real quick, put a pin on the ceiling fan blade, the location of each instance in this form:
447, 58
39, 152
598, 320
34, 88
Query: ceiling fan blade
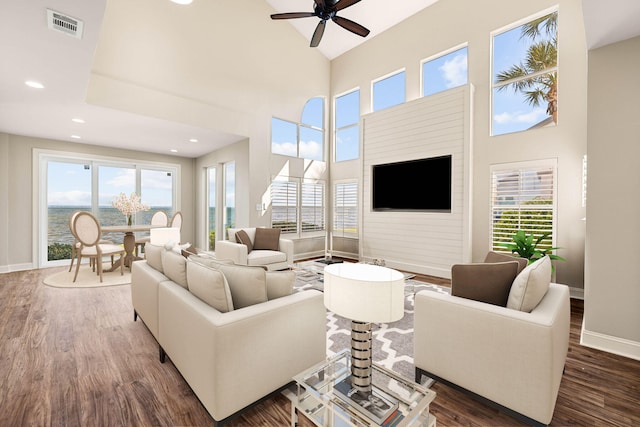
343, 4
354, 27
317, 34
292, 15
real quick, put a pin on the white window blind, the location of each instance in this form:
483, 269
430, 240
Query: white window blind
345, 208
312, 209
284, 204
522, 199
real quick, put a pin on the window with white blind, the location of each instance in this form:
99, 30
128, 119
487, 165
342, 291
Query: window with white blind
523, 198
345, 209
284, 205
297, 207
312, 206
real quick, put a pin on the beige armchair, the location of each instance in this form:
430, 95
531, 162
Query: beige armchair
261, 249
513, 359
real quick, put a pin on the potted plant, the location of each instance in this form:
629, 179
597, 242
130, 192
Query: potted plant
524, 245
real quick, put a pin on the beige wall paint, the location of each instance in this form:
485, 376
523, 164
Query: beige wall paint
612, 288
17, 241
443, 26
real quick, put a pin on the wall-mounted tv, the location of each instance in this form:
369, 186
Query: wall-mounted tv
414, 185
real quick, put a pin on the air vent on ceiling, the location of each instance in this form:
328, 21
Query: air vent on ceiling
63, 23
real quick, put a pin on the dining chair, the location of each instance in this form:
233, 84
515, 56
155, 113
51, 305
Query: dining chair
76, 243
176, 221
87, 230
159, 218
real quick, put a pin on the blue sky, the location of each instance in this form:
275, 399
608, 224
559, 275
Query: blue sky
69, 184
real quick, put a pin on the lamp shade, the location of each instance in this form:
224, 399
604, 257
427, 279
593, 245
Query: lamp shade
364, 292
162, 236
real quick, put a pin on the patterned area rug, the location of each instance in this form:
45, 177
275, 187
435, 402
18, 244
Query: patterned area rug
393, 342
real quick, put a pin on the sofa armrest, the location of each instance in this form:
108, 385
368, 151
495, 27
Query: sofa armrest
237, 252
286, 246
233, 359
511, 357
144, 293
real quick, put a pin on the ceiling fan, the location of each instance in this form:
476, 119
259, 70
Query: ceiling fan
325, 10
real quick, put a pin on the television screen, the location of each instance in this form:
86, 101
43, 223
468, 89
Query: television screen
415, 185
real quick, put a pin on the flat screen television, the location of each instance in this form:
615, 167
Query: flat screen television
414, 185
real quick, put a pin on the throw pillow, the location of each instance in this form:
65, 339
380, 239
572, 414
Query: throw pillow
498, 257
488, 282
267, 239
243, 237
247, 284
210, 286
175, 267
530, 286
279, 283
153, 255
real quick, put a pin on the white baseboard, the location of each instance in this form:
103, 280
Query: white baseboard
16, 267
576, 293
610, 344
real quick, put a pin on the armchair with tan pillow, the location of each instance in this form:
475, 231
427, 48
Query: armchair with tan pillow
502, 335
256, 247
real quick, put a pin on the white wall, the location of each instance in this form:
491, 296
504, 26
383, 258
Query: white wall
450, 23
612, 287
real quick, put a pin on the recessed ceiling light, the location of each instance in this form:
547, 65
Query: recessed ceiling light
34, 84
77, 120
75, 136
173, 150
193, 140
182, 1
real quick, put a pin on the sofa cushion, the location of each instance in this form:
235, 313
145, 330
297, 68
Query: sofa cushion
530, 286
175, 267
208, 260
485, 282
251, 232
243, 237
498, 257
210, 285
279, 283
247, 284
267, 239
153, 255
260, 257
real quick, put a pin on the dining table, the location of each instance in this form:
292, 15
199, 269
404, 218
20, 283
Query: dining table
129, 240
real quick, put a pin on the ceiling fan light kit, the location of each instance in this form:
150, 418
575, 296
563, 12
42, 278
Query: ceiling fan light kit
327, 10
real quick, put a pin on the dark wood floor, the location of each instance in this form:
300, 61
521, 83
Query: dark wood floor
75, 357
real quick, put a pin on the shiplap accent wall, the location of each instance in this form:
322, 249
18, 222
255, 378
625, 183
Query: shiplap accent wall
422, 242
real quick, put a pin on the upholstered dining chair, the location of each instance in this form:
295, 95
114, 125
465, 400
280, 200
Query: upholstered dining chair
76, 243
159, 218
87, 230
176, 221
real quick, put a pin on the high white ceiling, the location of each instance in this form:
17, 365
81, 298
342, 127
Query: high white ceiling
63, 65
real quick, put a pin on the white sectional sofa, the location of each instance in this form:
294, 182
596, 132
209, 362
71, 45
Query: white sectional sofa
236, 334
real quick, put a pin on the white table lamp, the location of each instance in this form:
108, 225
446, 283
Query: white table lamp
363, 293
164, 235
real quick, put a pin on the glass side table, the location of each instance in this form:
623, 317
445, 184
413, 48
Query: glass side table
314, 397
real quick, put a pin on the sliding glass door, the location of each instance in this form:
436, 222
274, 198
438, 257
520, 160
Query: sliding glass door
72, 183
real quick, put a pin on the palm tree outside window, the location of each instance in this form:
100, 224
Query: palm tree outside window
525, 82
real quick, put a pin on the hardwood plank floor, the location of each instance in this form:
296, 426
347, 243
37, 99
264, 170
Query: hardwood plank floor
75, 357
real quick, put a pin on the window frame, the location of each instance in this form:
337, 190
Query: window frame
438, 56
385, 77
41, 158
298, 185
520, 167
493, 86
352, 125
336, 218
300, 125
